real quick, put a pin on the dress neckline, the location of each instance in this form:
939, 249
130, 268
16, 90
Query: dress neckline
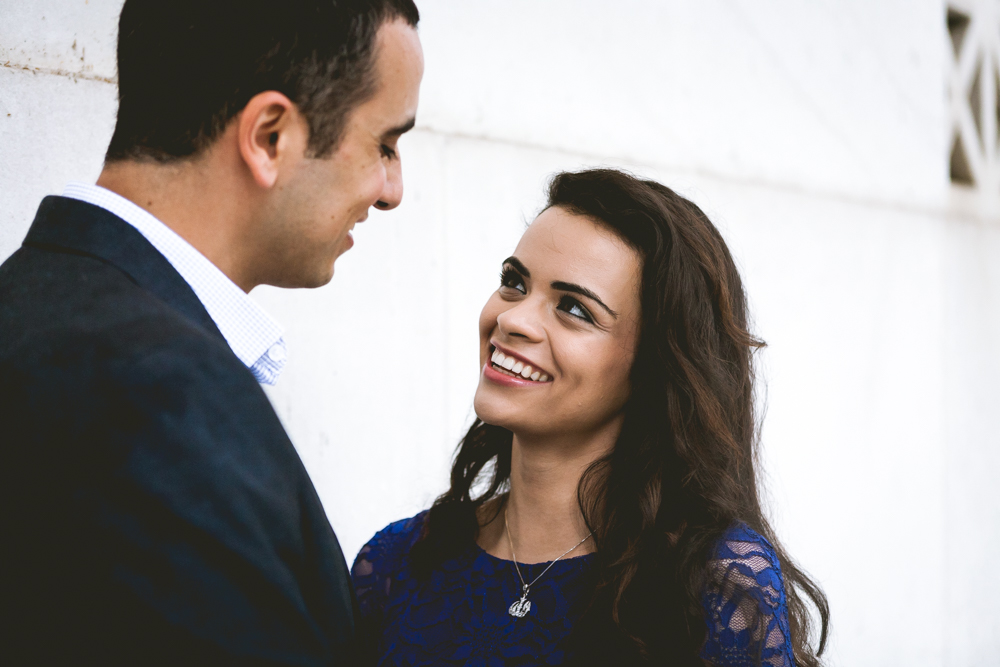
495, 559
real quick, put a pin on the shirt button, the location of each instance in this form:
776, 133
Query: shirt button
277, 353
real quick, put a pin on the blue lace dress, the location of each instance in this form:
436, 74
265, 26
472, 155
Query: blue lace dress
459, 616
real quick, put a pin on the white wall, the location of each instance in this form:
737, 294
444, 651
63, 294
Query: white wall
814, 135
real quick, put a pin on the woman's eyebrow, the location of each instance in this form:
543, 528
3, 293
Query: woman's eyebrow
583, 291
516, 263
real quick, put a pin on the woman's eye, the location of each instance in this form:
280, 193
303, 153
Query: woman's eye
571, 306
512, 280
388, 152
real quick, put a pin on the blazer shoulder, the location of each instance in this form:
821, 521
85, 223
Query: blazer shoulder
61, 311
82, 267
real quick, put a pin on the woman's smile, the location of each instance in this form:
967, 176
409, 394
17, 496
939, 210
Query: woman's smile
511, 365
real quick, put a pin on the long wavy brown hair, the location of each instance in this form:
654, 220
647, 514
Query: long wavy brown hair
684, 468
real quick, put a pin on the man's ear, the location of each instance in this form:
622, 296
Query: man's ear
270, 131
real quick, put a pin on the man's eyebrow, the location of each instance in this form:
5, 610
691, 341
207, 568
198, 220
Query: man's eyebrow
400, 129
516, 263
583, 291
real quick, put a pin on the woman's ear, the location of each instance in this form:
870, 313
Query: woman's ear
270, 132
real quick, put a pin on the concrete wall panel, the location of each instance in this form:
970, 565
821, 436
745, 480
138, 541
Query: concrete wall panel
972, 442
838, 97
53, 129
68, 36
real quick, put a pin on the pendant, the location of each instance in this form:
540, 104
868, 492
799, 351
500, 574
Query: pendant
521, 607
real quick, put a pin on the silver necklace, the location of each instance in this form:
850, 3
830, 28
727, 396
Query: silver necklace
521, 607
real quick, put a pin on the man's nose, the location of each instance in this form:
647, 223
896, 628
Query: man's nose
392, 193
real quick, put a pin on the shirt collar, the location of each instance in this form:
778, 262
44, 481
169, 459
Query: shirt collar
256, 339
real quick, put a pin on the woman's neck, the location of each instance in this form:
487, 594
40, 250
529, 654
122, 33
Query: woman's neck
542, 509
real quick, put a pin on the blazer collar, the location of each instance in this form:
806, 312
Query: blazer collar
75, 226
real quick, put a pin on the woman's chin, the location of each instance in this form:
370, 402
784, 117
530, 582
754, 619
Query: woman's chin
485, 410
496, 411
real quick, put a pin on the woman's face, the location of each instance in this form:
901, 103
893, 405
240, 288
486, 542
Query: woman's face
567, 307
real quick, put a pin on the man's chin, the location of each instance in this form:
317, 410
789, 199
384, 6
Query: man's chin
303, 280
320, 280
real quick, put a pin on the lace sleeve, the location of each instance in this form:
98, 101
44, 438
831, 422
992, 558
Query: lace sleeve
376, 567
368, 578
745, 608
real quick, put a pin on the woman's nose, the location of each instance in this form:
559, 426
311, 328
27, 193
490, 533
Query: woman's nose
523, 320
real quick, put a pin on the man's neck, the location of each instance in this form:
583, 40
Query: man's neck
195, 201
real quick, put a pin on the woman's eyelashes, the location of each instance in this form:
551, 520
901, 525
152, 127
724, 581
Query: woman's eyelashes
387, 152
511, 279
571, 306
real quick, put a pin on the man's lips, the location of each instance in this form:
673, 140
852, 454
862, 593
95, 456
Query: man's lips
349, 237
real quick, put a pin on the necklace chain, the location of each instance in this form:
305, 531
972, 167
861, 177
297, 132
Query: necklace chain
525, 587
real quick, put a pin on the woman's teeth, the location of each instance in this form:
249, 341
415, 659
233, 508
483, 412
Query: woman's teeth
515, 368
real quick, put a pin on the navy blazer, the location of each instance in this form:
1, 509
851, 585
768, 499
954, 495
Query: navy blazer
154, 510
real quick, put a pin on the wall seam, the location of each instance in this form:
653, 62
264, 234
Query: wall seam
945, 209
53, 71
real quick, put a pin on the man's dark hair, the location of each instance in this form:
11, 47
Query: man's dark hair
187, 67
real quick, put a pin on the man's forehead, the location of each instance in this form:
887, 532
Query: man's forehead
399, 70
398, 53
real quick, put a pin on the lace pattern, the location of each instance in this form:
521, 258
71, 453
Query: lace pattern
459, 616
745, 607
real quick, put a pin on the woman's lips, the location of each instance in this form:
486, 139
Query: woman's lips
492, 373
507, 369
516, 367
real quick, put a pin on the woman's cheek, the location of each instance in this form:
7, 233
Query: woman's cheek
612, 377
488, 324
488, 316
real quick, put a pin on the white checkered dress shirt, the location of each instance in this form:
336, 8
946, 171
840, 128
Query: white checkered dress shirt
254, 337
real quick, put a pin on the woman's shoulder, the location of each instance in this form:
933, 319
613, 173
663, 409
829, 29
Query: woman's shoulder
745, 603
381, 561
394, 540
740, 542
744, 559
404, 530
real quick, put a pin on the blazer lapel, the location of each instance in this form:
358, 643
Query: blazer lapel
71, 225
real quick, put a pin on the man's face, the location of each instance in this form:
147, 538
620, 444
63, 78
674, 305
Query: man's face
318, 203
